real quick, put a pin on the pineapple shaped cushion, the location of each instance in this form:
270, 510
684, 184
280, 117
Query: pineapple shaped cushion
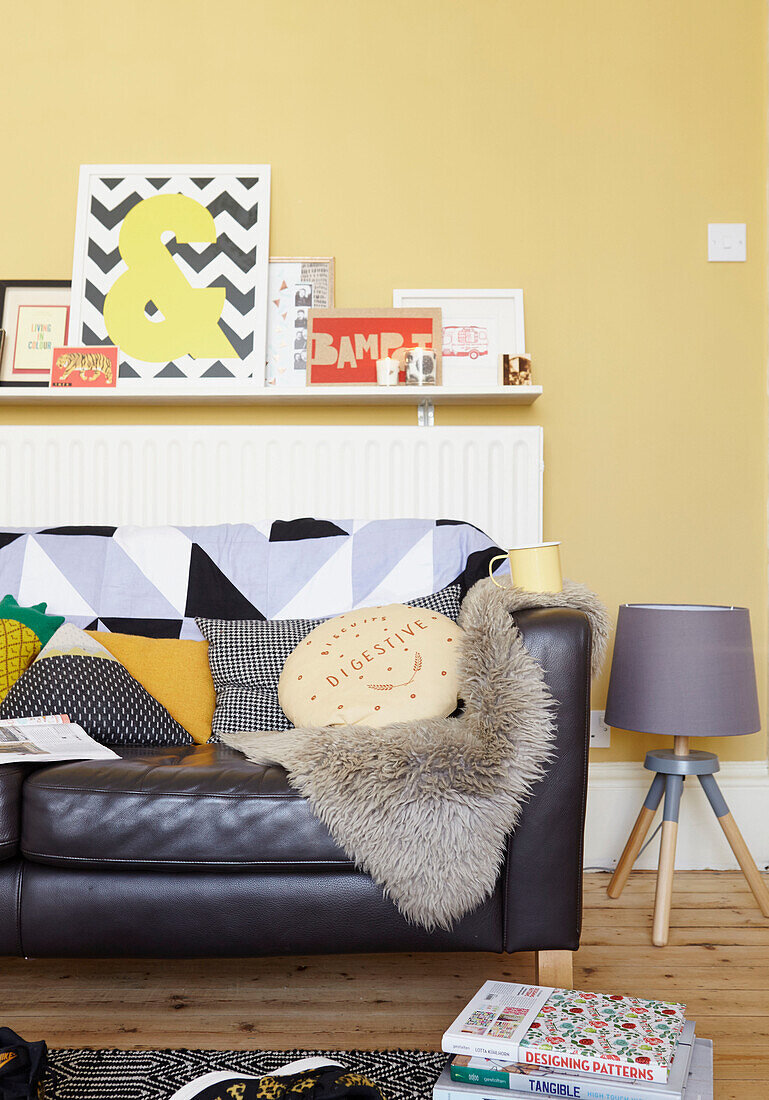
18, 648
371, 667
23, 633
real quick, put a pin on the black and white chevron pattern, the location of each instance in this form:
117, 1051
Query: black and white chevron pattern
237, 262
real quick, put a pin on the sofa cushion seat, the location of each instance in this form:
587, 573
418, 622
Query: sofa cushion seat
198, 806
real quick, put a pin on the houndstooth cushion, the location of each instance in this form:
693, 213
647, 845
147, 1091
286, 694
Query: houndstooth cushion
247, 657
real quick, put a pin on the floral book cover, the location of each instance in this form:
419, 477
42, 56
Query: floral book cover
610, 1035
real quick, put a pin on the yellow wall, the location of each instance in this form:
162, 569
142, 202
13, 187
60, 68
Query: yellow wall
575, 148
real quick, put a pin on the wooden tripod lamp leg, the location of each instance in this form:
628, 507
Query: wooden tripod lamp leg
674, 785
736, 842
637, 837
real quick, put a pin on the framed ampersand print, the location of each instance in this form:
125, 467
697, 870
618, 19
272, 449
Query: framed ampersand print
170, 267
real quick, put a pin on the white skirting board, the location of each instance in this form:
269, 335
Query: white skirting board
615, 794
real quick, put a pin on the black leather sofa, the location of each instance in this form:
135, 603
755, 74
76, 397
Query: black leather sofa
195, 851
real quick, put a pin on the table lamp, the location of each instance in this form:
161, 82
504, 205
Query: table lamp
685, 670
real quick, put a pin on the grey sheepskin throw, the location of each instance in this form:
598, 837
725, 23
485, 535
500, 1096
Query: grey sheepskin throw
425, 807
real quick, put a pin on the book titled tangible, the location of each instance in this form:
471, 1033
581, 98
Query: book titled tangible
613, 1036
466, 1078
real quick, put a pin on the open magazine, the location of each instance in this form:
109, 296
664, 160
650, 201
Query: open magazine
45, 739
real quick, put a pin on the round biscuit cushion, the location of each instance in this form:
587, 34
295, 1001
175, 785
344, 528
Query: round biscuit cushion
371, 667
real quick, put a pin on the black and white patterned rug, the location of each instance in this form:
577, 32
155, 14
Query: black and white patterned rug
157, 1074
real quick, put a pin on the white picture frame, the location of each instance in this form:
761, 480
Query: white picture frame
478, 327
235, 258
43, 303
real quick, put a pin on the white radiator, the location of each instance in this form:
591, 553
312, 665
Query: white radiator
126, 474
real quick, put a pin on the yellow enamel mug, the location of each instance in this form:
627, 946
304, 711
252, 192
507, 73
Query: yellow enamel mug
533, 568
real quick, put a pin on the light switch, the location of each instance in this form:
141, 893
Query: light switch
726, 242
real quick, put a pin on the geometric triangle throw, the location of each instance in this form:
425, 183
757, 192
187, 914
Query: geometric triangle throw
211, 594
142, 628
42, 579
7, 537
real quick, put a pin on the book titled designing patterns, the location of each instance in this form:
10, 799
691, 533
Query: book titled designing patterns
613, 1036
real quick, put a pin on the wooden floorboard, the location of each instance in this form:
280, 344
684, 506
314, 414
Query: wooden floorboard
717, 962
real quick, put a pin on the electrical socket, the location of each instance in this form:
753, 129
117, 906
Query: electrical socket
600, 733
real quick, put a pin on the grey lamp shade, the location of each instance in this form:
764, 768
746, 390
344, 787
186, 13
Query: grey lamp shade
683, 670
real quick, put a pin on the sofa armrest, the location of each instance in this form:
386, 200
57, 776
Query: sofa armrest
11, 779
543, 868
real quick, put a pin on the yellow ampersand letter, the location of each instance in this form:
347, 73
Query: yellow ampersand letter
190, 315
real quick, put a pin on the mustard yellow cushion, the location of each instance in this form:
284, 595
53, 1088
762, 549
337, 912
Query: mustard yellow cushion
372, 667
175, 671
19, 645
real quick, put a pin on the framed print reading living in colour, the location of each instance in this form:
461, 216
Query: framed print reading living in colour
295, 285
34, 316
478, 327
170, 266
344, 344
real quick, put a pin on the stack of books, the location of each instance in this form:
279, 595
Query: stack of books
561, 1042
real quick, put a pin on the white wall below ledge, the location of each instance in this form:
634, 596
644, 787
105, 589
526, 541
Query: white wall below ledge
614, 797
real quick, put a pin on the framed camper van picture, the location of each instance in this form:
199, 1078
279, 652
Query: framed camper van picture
478, 327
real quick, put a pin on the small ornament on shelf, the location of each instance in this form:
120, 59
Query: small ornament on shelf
420, 367
387, 371
514, 370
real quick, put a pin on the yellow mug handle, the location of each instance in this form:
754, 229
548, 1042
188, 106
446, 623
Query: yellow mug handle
499, 557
